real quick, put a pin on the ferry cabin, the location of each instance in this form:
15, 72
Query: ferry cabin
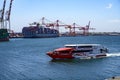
87, 48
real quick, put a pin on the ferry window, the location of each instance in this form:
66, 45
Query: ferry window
84, 46
71, 46
83, 51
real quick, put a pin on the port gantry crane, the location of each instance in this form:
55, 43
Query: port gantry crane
2, 14
61, 24
48, 24
8, 13
86, 29
54, 25
72, 28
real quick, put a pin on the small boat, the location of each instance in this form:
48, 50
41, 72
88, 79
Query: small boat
82, 51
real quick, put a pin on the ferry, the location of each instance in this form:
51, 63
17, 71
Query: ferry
82, 51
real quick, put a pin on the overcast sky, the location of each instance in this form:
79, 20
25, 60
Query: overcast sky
103, 14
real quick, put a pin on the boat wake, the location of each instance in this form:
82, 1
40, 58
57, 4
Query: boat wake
113, 54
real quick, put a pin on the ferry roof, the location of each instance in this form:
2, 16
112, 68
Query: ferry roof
63, 49
82, 45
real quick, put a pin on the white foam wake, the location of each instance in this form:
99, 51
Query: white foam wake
113, 54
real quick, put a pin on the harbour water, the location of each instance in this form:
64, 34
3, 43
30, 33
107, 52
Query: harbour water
26, 59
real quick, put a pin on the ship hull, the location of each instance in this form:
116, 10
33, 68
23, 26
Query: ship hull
41, 36
4, 36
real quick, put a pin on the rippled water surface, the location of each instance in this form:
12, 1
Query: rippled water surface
26, 59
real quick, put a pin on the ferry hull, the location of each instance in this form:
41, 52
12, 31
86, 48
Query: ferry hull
68, 56
101, 56
60, 56
91, 57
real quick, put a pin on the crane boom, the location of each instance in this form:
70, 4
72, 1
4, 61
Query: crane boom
9, 11
3, 11
2, 15
8, 14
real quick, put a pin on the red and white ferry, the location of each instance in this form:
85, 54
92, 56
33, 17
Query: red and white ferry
82, 51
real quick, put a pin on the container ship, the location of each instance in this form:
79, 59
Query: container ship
39, 31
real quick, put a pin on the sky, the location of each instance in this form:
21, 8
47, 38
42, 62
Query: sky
103, 14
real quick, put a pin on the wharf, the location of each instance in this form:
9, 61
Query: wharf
20, 35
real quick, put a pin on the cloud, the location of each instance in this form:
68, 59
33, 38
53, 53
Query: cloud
109, 6
115, 21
